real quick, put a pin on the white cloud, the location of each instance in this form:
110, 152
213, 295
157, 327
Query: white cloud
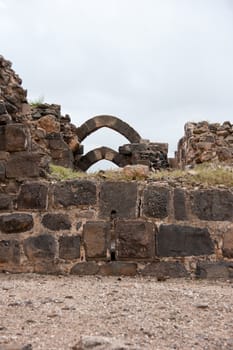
155, 63
2, 4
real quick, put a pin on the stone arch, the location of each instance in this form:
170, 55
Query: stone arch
108, 121
97, 154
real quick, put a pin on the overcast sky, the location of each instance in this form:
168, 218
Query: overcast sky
156, 64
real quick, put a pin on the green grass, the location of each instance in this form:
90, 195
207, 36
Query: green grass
38, 101
204, 175
60, 173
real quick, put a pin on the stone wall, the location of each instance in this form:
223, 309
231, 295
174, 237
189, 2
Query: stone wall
11, 91
116, 228
59, 141
205, 142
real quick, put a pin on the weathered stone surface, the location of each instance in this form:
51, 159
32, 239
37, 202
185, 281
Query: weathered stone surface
85, 268
69, 247
135, 240
228, 243
2, 138
49, 123
205, 142
111, 122
2, 108
9, 252
118, 268
5, 119
15, 346
56, 222
56, 142
12, 94
63, 158
40, 247
84, 162
214, 270
78, 192
156, 202
46, 267
33, 196
96, 239
78, 225
16, 138
4, 155
118, 197
27, 165
102, 343
179, 204
5, 201
152, 154
2, 171
175, 240
137, 171
16, 223
164, 269
213, 204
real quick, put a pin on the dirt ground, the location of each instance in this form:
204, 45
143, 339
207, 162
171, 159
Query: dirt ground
53, 312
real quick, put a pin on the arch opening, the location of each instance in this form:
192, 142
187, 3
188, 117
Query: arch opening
108, 121
104, 137
97, 154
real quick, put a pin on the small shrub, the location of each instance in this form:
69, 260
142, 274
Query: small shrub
36, 102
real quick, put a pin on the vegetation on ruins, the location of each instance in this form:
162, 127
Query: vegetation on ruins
36, 102
203, 175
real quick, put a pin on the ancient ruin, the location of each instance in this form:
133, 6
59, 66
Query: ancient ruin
97, 226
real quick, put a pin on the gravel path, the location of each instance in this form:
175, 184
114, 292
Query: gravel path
52, 312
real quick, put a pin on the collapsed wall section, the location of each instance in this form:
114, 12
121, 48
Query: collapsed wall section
116, 228
205, 142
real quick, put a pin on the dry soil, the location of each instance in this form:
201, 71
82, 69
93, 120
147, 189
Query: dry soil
53, 312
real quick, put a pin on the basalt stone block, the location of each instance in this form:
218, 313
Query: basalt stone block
5, 119
41, 247
164, 269
135, 240
96, 239
228, 244
75, 193
33, 196
2, 108
156, 202
4, 155
214, 270
175, 240
56, 142
2, 138
78, 225
118, 268
216, 205
47, 267
119, 198
85, 269
9, 252
16, 223
2, 172
22, 165
63, 158
179, 204
56, 222
5, 201
16, 138
69, 247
